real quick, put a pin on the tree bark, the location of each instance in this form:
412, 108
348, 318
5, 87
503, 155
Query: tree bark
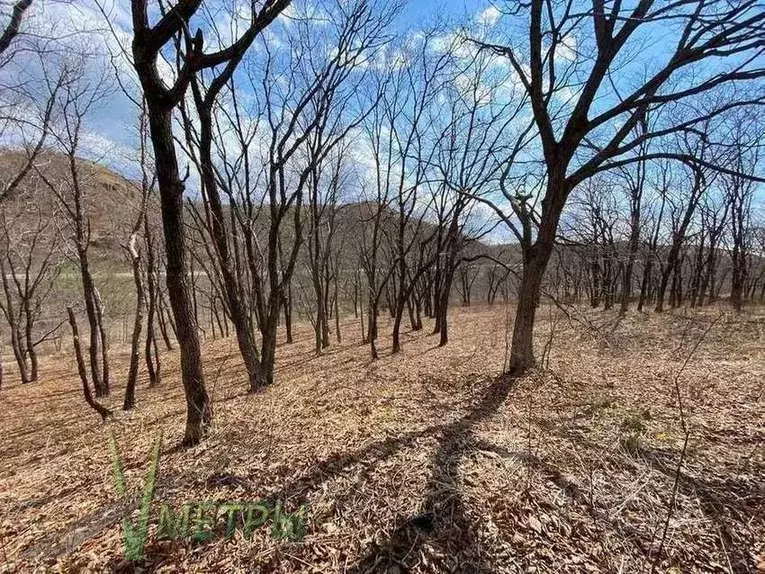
522, 349
135, 350
198, 405
95, 405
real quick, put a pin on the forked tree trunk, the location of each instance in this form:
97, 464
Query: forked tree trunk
29, 341
104, 336
417, 313
17, 340
151, 351
95, 405
666, 274
410, 312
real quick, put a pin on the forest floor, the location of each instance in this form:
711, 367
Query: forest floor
423, 462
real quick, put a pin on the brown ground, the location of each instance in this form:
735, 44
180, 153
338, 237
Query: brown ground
568, 470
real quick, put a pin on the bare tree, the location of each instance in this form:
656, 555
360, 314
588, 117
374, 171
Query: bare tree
133, 249
739, 192
80, 95
478, 104
325, 188
591, 229
26, 113
148, 42
103, 412
154, 311
284, 141
690, 187
659, 183
634, 177
402, 145
205, 96
29, 265
587, 103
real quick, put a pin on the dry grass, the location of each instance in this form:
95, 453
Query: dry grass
568, 469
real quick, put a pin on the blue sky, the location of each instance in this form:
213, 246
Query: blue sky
111, 128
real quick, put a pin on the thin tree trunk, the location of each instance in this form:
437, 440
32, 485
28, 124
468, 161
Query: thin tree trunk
287, 309
103, 335
101, 410
163, 323
151, 352
90, 311
338, 336
135, 345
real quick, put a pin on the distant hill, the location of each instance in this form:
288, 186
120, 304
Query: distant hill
110, 199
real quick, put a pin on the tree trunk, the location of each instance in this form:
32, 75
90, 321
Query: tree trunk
372, 328
596, 275
88, 294
338, 335
198, 405
738, 277
287, 309
151, 352
522, 346
363, 333
398, 315
268, 349
442, 319
30, 343
103, 335
13, 322
101, 410
135, 350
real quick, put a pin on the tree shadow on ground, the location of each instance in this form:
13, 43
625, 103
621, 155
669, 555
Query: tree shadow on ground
441, 517
723, 500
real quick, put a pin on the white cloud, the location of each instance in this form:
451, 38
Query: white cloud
566, 49
488, 17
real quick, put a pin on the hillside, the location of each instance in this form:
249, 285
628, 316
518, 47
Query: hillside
110, 199
422, 462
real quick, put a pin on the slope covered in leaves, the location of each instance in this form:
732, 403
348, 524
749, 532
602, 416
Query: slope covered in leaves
423, 462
